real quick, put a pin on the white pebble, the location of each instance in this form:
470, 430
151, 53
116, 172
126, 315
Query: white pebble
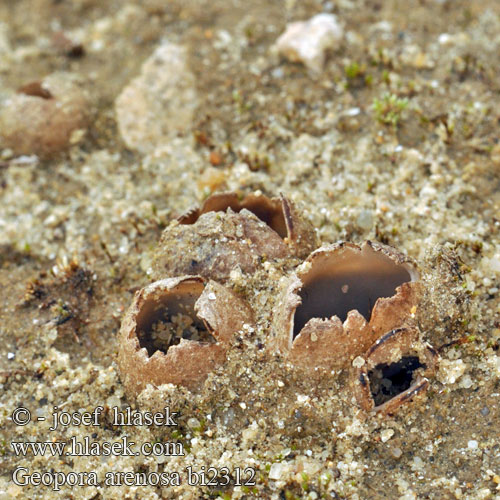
386, 434
358, 362
472, 444
307, 41
365, 219
193, 423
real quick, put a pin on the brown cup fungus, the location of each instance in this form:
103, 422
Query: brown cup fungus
393, 371
228, 232
176, 331
44, 117
341, 300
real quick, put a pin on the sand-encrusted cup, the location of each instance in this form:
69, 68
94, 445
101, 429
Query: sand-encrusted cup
393, 371
340, 301
176, 331
229, 232
43, 116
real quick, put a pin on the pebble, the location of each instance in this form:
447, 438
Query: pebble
193, 423
386, 434
365, 219
494, 263
472, 444
451, 371
160, 102
485, 411
307, 41
466, 382
277, 470
358, 362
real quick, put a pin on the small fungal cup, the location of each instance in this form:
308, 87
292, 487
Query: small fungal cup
176, 331
229, 232
393, 371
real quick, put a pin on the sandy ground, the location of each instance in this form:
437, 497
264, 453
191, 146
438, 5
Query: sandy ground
394, 139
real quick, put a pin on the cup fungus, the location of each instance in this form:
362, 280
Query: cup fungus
393, 371
43, 116
342, 299
228, 232
176, 331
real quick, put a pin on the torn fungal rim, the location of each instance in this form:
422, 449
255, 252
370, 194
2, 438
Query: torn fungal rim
279, 214
187, 363
394, 350
315, 331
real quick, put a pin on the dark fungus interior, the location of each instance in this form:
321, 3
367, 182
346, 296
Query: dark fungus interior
389, 380
35, 89
167, 317
347, 280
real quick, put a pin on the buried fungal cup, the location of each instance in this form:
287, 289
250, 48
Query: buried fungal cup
227, 232
341, 300
393, 371
176, 331
44, 117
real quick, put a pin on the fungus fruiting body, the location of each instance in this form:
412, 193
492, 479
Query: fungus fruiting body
42, 116
229, 232
342, 299
393, 371
345, 305
177, 330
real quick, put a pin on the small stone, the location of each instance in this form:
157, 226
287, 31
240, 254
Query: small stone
358, 362
485, 411
160, 102
276, 471
352, 112
494, 263
307, 41
451, 371
193, 423
466, 382
113, 401
215, 158
365, 219
472, 444
386, 434
11, 356
417, 464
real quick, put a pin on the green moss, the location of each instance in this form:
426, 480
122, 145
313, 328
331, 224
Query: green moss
353, 70
388, 109
305, 481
